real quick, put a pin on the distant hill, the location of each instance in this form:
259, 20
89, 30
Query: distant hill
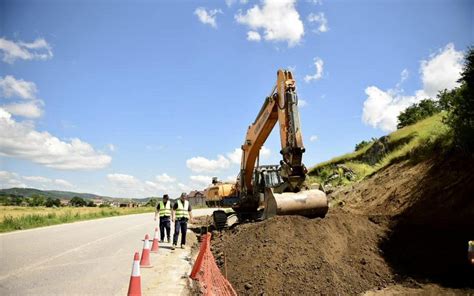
28, 192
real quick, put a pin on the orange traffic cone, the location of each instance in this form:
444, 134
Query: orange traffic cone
155, 246
145, 262
135, 287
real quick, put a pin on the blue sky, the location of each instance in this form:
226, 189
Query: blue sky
140, 98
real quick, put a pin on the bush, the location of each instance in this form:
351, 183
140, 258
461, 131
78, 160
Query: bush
418, 111
361, 145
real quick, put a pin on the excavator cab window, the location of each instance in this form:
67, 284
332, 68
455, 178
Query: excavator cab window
268, 178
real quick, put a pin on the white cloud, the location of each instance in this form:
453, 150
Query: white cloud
253, 36
63, 183
279, 21
315, 2
38, 179
11, 87
207, 16
320, 20
21, 140
29, 110
201, 164
235, 156
319, 63
24, 90
440, 71
229, 3
313, 138
10, 180
201, 180
36, 50
127, 185
302, 103
184, 187
130, 186
164, 178
265, 152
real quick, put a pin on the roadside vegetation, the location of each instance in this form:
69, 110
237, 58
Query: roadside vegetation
16, 217
431, 126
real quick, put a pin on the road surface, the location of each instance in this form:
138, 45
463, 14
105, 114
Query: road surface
88, 258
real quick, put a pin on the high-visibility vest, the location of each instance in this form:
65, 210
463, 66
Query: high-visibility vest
182, 210
165, 210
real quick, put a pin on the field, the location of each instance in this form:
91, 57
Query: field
16, 218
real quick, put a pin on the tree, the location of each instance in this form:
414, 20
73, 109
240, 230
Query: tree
90, 203
36, 200
418, 111
76, 201
461, 106
50, 202
16, 200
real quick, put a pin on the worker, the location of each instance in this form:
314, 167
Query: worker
164, 210
180, 215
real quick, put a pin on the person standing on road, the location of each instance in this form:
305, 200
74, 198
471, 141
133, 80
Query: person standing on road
180, 215
164, 210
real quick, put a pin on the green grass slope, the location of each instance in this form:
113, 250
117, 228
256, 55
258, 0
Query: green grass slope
414, 142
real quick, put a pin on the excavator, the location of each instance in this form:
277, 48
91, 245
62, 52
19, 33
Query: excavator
266, 191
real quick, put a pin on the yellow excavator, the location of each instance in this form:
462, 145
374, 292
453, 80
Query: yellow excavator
266, 191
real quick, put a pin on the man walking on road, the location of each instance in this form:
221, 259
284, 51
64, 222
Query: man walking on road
164, 209
180, 215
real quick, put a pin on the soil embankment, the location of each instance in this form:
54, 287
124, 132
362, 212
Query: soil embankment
406, 226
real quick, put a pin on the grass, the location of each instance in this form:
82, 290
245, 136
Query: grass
16, 218
414, 142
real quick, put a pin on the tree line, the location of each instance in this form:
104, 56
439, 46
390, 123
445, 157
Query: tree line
38, 200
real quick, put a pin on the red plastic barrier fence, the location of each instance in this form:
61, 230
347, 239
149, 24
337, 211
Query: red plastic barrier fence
208, 274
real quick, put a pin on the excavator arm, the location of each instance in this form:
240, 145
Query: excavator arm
280, 106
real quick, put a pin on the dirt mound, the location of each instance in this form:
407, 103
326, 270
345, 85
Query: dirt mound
431, 209
406, 226
295, 255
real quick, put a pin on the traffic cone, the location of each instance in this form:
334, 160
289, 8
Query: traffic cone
145, 262
135, 287
155, 246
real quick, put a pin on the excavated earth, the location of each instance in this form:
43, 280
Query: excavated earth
402, 231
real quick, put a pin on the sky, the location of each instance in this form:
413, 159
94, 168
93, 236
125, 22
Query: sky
142, 98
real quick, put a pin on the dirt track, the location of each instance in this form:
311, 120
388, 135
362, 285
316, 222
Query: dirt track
404, 230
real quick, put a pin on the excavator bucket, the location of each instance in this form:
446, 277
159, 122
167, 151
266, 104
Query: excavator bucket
309, 203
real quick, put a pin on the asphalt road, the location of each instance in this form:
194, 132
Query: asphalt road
82, 258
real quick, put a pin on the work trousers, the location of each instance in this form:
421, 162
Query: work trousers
165, 224
180, 225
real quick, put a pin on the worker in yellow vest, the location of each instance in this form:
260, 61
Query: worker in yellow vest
163, 208
180, 215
